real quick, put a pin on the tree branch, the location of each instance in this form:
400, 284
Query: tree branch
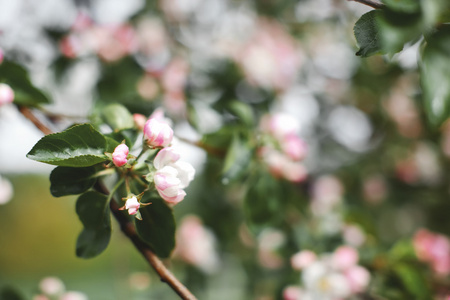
27, 113
127, 227
372, 3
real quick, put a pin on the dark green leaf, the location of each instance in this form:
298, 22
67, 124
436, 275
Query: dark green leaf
243, 111
78, 146
9, 293
237, 159
435, 72
117, 117
24, 91
408, 6
262, 202
413, 280
367, 35
93, 211
397, 29
157, 227
71, 181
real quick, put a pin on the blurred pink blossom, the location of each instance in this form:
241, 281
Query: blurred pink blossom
52, 286
1, 55
196, 245
292, 293
6, 94
139, 120
344, 257
303, 259
434, 249
270, 58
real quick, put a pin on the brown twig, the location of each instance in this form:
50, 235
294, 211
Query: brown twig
129, 230
372, 3
27, 113
127, 227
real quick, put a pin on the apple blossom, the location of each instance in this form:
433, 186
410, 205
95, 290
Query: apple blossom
196, 245
303, 259
52, 286
6, 190
157, 133
6, 94
172, 175
434, 249
344, 257
132, 205
294, 147
120, 155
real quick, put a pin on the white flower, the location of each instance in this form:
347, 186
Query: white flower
6, 191
172, 175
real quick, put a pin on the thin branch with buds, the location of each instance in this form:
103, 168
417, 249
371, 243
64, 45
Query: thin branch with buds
372, 3
127, 227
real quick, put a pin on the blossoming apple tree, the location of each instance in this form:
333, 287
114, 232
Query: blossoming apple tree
325, 175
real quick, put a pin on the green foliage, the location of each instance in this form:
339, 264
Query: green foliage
263, 203
78, 146
237, 159
71, 181
413, 280
435, 74
366, 33
93, 210
9, 293
157, 227
117, 117
25, 93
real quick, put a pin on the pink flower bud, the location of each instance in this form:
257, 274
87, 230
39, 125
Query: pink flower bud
157, 134
132, 205
344, 257
6, 94
120, 155
1, 55
303, 259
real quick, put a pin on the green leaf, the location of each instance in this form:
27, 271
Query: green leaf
367, 35
78, 146
435, 74
25, 93
243, 111
71, 181
262, 203
117, 117
157, 227
92, 209
237, 158
413, 280
10, 293
397, 29
408, 6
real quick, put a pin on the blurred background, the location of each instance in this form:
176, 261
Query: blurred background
374, 172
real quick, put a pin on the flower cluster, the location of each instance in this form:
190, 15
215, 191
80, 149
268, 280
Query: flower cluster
433, 249
285, 150
332, 277
53, 288
109, 42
